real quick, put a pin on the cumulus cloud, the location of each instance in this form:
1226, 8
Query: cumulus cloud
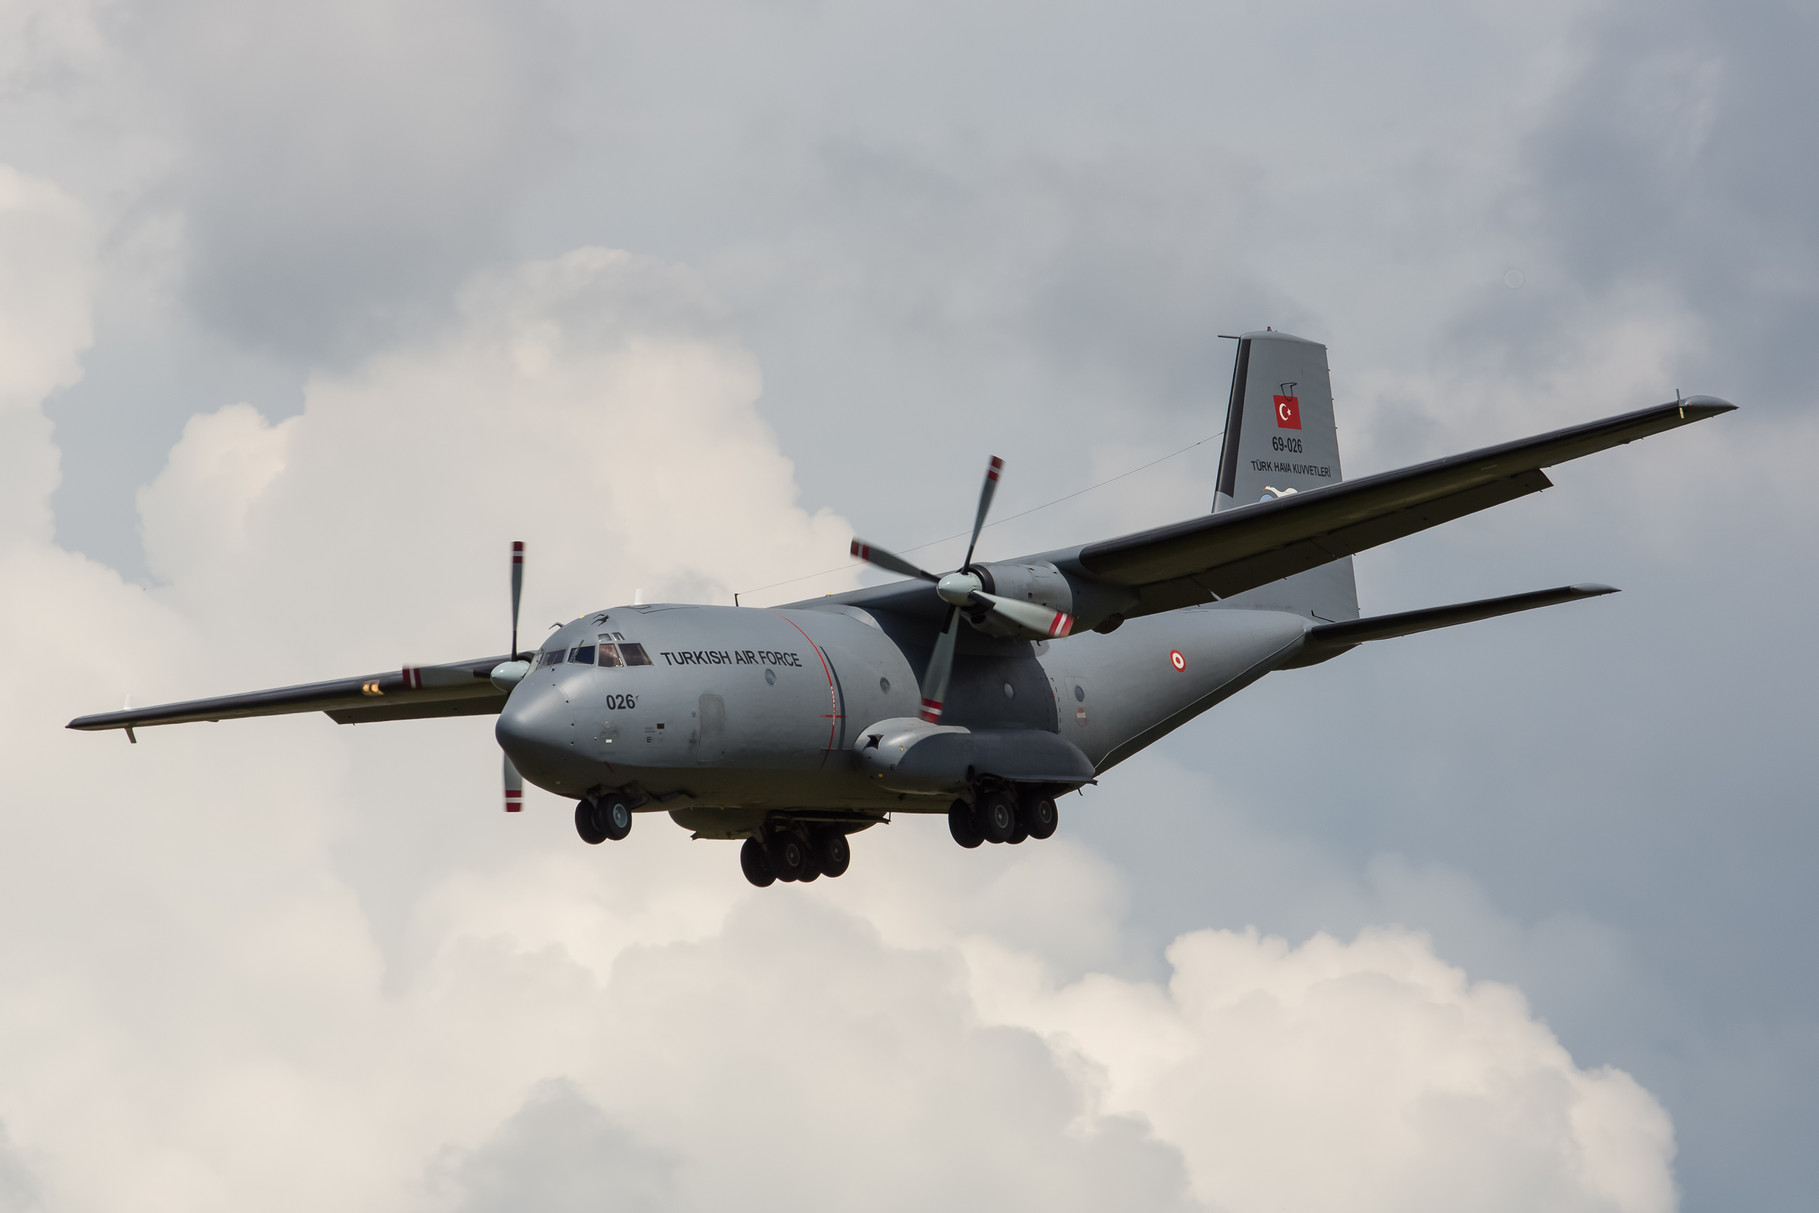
1358, 1076
338, 168
46, 244
1666, 161
285, 964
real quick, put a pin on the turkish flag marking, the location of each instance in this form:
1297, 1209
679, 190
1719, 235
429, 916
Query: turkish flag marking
1288, 412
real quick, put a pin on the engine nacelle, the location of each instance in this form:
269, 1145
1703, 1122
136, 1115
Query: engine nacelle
1041, 582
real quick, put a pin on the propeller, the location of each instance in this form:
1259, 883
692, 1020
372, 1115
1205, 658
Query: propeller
960, 589
514, 787
517, 591
508, 673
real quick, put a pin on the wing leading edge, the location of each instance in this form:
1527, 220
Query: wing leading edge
462, 688
1219, 555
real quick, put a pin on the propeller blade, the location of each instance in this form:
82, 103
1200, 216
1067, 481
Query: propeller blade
514, 787
888, 560
992, 471
1031, 615
940, 668
517, 593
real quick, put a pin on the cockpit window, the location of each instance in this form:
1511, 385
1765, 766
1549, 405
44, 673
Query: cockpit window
609, 655
549, 657
634, 654
582, 654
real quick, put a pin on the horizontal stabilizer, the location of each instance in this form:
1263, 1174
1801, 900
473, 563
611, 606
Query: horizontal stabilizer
1329, 639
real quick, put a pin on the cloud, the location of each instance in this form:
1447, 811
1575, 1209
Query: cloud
588, 405
47, 246
1360, 1076
285, 964
1667, 160
18, 1190
340, 167
558, 1154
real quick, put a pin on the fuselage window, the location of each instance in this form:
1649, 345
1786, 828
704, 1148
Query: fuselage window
634, 654
582, 654
552, 657
609, 655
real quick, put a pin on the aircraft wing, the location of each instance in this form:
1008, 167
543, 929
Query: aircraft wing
462, 688
1219, 555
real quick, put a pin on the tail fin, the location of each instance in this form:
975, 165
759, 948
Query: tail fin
1279, 439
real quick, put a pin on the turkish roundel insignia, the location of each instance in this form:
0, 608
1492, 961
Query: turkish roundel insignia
1288, 412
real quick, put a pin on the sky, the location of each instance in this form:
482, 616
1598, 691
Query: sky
307, 312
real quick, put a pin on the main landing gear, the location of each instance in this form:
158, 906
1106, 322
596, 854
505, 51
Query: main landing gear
799, 852
1003, 815
607, 817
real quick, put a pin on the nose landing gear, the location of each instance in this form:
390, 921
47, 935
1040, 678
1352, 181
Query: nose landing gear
606, 818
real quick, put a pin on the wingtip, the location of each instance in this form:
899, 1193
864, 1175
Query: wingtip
1592, 589
1702, 407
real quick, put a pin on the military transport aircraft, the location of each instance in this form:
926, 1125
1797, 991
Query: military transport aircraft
982, 693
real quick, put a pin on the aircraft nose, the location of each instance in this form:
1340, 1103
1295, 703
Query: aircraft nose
533, 729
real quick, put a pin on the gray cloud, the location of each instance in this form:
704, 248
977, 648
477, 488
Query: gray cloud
18, 1187
1677, 155
1017, 229
341, 167
559, 1153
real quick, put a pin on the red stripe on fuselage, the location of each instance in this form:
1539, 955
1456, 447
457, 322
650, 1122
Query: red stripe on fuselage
833, 696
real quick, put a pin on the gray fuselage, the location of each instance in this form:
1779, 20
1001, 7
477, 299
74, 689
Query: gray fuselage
743, 712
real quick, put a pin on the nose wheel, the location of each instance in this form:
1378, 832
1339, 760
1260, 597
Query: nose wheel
604, 819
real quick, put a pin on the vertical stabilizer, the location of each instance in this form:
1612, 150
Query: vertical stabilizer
1280, 439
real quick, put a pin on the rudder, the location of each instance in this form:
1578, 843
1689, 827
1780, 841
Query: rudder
1280, 438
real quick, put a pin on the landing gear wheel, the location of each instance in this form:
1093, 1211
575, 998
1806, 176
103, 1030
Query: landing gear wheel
615, 817
755, 865
789, 858
833, 853
997, 816
1039, 815
590, 822
963, 824
1021, 833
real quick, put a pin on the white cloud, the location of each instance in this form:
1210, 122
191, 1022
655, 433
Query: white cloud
1354, 1076
225, 460
46, 247
280, 964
